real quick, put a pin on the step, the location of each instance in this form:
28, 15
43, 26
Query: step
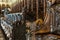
2, 39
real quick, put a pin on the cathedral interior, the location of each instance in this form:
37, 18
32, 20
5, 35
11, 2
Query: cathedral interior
29, 19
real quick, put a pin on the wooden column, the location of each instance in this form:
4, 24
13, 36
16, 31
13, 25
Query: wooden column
36, 9
19, 5
1, 11
28, 1
24, 3
27, 4
44, 7
31, 5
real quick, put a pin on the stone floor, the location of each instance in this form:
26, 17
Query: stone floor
1, 35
